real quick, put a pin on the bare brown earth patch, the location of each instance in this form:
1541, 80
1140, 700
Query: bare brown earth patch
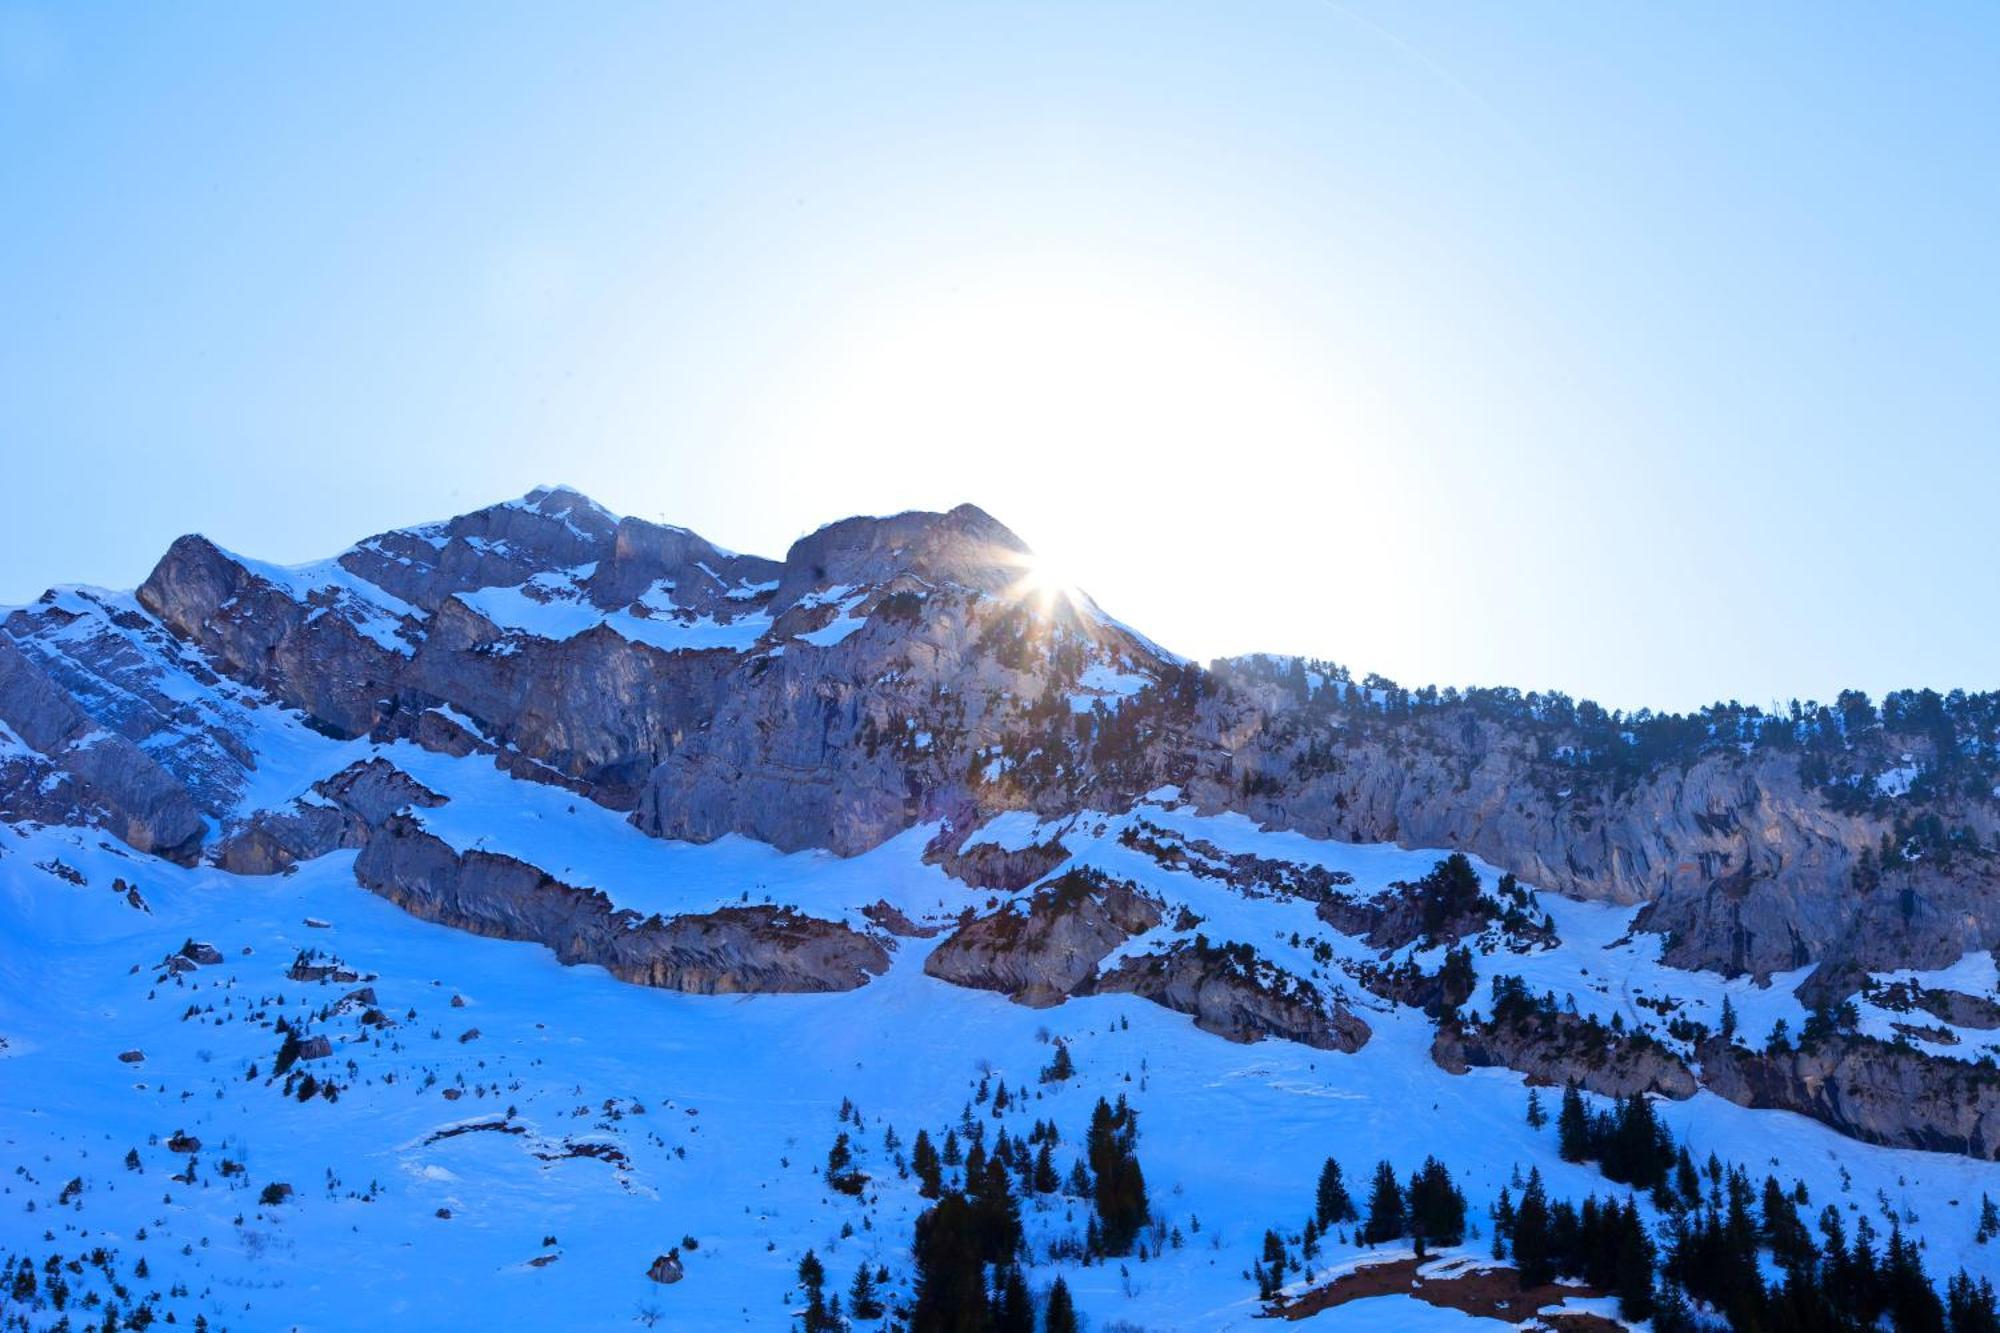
1485, 1292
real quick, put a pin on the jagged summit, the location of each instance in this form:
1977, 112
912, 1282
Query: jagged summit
632, 658
560, 498
557, 532
965, 547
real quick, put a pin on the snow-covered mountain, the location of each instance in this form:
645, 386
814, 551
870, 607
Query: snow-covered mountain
545, 918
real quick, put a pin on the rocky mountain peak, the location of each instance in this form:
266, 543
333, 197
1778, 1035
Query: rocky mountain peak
964, 547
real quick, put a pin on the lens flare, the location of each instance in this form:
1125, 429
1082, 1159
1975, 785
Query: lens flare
1042, 585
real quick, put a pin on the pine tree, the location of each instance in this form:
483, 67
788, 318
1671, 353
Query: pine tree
1537, 1117
1045, 1179
1671, 1312
1573, 1126
1060, 1316
1385, 1207
1119, 1189
1913, 1302
1332, 1207
999, 1213
1687, 1183
1971, 1306
839, 1159
863, 1300
817, 1318
924, 1161
1269, 1270
1531, 1235
1436, 1207
1013, 1307
951, 1271
1633, 1267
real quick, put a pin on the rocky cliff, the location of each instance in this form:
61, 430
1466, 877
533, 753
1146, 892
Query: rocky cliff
60, 754
1561, 1050
891, 671
1877, 1091
1233, 993
1048, 948
1759, 843
728, 951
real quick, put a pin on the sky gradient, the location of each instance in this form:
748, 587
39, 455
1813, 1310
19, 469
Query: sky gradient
1647, 352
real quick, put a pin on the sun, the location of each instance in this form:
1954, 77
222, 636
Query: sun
1040, 583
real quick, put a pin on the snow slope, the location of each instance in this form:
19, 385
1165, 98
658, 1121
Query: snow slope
741, 1095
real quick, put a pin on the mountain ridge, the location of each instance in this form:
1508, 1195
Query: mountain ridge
711, 693
906, 806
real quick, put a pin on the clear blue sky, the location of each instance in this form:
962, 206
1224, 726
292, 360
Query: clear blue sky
1644, 351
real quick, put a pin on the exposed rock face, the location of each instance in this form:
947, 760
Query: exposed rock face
137, 799
1962, 1010
1746, 867
1875, 1091
136, 680
374, 641
348, 806
274, 840
374, 789
1563, 1049
965, 547
595, 706
1050, 950
1234, 994
736, 949
33, 790
311, 965
884, 674
988, 865
732, 950
889, 917
1249, 874
911, 715
554, 528
1441, 908
933, 693
309, 646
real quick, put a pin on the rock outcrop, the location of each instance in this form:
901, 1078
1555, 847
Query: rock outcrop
1233, 993
1563, 1049
1876, 1091
341, 813
112, 778
1747, 863
732, 950
308, 638
988, 865
1047, 949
